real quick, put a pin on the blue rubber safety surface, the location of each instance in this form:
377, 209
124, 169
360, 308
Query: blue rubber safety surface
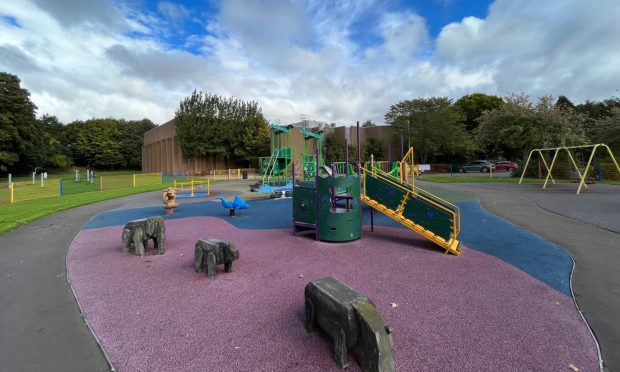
196, 195
480, 230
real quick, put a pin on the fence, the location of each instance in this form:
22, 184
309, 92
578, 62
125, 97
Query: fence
45, 188
217, 174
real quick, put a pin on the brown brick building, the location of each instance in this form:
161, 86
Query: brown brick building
161, 151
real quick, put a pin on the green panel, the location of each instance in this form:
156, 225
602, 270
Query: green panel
383, 192
284, 153
335, 222
304, 209
429, 216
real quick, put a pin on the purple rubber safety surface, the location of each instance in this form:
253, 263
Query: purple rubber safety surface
467, 313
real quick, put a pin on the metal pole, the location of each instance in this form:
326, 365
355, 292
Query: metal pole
346, 156
402, 146
42, 180
10, 177
372, 220
359, 151
389, 153
317, 199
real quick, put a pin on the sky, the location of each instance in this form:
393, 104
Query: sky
333, 61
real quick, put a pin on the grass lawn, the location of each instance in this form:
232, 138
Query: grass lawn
459, 179
17, 214
465, 179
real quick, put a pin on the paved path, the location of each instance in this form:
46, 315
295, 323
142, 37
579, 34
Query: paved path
552, 214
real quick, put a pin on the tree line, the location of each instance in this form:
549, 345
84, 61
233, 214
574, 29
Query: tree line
28, 142
486, 126
208, 124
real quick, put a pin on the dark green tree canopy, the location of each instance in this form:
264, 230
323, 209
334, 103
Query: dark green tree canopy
520, 126
473, 105
433, 126
210, 124
21, 146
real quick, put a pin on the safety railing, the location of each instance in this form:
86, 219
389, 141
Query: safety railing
18, 191
411, 191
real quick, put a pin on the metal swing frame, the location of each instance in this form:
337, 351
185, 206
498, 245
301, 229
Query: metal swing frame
556, 150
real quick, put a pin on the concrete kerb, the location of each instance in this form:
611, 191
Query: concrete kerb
90, 329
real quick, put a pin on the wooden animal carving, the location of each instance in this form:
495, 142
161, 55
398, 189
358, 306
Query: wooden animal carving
137, 233
351, 320
211, 252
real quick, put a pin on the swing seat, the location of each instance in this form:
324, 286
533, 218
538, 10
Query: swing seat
574, 178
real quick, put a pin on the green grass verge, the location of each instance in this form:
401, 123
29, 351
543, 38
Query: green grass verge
17, 214
459, 179
465, 179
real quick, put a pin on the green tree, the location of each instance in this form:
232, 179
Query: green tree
520, 126
368, 123
473, 105
209, 124
54, 142
132, 140
607, 130
333, 148
433, 126
96, 143
564, 103
595, 110
21, 145
373, 146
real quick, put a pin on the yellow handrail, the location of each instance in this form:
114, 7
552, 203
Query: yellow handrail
417, 192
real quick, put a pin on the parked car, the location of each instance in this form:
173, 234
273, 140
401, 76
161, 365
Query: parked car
476, 166
506, 165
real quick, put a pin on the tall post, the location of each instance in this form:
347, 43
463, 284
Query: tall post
100, 183
42, 182
402, 146
77, 175
33, 175
293, 177
12, 186
389, 153
87, 176
359, 151
10, 177
317, 199
61, 187
134, 180
346, 156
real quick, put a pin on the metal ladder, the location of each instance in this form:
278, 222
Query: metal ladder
270, 164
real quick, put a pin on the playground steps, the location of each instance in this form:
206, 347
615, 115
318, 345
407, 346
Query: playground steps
414, 208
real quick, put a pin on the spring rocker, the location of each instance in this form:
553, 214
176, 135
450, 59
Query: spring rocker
169, 200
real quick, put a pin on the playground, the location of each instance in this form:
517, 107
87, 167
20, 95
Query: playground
460, 287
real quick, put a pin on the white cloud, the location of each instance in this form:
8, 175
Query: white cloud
174, 12
302, 57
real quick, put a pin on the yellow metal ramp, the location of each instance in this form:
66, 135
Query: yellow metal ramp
428, 215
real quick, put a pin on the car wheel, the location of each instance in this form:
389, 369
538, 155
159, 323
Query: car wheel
508, 169
484, 170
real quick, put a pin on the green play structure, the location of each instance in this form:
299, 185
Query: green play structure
276, 168
308, 158
330, 205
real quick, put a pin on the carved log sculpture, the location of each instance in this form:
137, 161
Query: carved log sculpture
351, 320
137, 233
211, 252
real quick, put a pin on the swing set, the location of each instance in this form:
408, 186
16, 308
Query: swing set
580, 174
